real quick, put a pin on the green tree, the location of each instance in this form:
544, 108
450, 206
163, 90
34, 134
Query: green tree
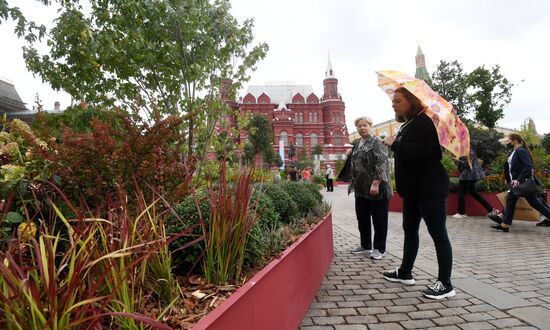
485, 144
450, 81
260, 136
545, 142
317, 149
165, 57
489, 92
528, 132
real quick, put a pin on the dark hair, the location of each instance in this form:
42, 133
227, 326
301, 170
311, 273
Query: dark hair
517, 137
416, 104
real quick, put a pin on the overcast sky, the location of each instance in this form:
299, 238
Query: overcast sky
365, 36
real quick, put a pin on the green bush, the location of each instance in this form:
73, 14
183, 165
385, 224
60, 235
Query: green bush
284, 204
258, 241
185, 259
314, 190
257, 244
301, 194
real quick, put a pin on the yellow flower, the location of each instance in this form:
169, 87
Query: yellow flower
26, 231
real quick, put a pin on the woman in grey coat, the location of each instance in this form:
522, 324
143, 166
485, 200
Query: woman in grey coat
468, 176
370, 179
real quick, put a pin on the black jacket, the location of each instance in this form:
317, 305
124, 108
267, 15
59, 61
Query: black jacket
522, 166
418, 169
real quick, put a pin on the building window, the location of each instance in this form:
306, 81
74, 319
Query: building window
301, 118
313, 139
310, 117
315, 117
284, 138
337, 140
299, 140
296, 117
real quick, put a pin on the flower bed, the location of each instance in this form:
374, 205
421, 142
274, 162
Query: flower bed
280, 294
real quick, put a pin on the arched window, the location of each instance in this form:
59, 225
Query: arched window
299, 140
296, 118
315, 117
337, 140
284, 138
301, 118
313, 139
310, 117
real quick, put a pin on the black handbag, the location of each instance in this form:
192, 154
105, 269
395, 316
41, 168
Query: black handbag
345, 172
526, 188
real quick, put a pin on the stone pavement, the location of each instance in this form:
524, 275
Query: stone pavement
502, 280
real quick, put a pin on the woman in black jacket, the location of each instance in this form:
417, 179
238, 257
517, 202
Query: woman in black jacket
468, 176
517, 169
423, 183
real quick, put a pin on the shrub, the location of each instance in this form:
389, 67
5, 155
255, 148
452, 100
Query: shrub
314, 190
258, 243
448, 163
186, 216
284, 204
302, 195
494, 183
118, 151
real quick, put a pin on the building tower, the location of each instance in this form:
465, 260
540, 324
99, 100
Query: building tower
421, 71
334, 119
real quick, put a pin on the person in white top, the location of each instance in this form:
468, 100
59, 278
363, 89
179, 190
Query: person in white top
329, 174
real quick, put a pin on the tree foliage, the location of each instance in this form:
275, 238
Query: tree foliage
528, 132
485, 144
260, 136
450, 81
164, 57
481, 94
545, 142
489, 92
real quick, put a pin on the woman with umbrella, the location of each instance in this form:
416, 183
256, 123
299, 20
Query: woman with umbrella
423, 183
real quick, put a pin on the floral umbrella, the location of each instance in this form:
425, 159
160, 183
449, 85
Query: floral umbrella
453, 134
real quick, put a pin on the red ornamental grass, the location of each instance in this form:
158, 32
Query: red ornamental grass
229, 225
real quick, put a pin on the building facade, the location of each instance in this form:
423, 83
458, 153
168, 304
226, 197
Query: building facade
298, 116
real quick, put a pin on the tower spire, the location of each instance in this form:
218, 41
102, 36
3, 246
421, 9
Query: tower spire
421, 71
329, 73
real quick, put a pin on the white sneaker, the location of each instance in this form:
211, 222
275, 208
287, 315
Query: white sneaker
376, 255
360, 250
459, 216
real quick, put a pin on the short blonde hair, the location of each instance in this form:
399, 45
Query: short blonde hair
365, 119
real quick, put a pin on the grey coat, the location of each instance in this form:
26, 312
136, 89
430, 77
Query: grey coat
369, 162
474, 173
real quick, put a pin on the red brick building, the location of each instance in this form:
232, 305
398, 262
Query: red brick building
299, 116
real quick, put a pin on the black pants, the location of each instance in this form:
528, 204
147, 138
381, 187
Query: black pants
534, 200
365, 209
434, 213
469, 186
330, 185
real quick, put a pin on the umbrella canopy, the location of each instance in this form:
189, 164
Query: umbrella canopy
453, 134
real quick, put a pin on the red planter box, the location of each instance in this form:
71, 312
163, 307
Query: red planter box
278, 297
473, 208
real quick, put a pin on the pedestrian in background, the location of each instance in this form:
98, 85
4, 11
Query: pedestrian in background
329, 175
468, 176
517, 169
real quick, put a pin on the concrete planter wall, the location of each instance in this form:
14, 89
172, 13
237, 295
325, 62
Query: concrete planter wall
279, 295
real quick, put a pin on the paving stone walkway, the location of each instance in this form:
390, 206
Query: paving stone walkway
502, 280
